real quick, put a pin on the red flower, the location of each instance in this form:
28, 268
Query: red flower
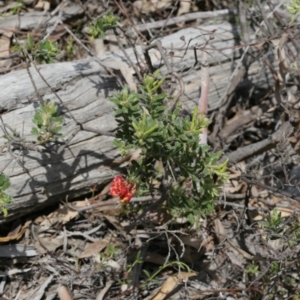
122, 188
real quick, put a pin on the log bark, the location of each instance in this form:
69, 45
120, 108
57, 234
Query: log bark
37, 19
40, 178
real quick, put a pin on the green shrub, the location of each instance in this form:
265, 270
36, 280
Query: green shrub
98, 27
189, 174
41, 51
48, 123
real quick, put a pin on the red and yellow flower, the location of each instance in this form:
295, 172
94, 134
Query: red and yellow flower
122, 188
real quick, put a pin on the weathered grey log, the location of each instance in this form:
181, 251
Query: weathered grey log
41, 178
31, 20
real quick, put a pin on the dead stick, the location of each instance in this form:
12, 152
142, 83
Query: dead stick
249, 151
203, 101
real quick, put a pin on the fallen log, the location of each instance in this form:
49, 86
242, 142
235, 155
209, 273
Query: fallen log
37, 19
42, 178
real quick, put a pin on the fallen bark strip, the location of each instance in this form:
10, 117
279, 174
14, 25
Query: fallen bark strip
41, 178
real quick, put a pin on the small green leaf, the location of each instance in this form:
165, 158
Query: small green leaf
191, 219
5, 185
147, 273
4, 198
34, 131
4, 210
